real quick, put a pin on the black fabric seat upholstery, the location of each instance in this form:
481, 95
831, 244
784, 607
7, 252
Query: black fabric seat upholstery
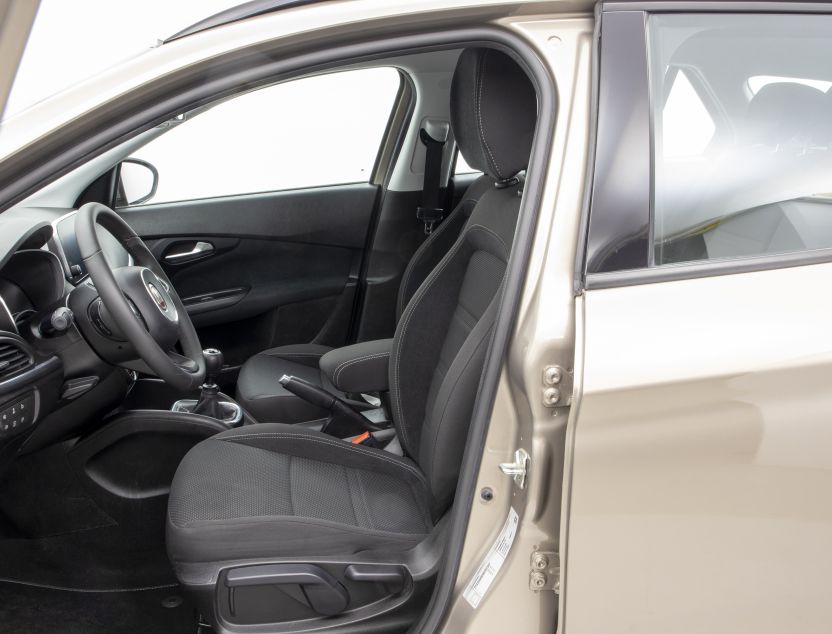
273, 490
308, 492
257, 388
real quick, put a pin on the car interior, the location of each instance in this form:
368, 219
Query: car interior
248, 413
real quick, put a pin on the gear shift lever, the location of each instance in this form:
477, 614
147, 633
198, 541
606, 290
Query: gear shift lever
209, 402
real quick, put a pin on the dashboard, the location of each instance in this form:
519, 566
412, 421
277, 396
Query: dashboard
49, 384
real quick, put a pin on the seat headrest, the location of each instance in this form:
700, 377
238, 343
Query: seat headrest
785, 112
493, 112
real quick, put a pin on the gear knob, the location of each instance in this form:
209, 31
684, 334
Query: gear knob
213, 364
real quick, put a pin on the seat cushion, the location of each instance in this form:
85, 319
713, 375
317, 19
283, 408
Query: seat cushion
259, 392
275, 490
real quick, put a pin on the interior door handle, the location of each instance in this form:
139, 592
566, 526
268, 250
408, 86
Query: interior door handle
200, 249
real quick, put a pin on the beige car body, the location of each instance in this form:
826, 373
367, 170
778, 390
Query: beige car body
678, 479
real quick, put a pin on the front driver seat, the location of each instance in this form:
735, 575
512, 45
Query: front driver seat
245, 500
258, 389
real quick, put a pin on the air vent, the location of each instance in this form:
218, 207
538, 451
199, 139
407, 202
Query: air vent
12, 359
22, 318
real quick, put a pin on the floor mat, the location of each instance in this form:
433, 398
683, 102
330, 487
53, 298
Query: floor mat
66, 565
108, 558
36, 610
40, 496
56, 535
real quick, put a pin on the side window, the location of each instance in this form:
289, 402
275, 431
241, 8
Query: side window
461, 167
322, 130
686, 123
742, 129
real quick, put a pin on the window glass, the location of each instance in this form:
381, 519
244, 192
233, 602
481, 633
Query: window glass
461, 166
322, 130
758, 82
688, 128
742, 127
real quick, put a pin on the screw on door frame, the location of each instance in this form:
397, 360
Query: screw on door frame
552, 374
545, 571
551, 396
557, 386
539, 561
537, 580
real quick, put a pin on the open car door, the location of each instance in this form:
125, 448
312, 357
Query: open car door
16, 18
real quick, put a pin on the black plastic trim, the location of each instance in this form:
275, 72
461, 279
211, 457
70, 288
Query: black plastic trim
580, 248
619, 217
709, 268
394, 131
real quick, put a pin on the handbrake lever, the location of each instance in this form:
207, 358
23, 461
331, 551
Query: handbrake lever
343, 419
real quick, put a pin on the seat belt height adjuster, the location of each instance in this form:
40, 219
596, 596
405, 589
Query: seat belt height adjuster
433, 136
430, 216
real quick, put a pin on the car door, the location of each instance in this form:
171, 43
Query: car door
16, 19
263, 207
701, 454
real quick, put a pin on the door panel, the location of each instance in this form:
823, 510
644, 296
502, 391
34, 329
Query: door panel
273, 269
702, 465
702, 447
336, 215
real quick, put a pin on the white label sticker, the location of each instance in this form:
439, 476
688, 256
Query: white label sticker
486, 573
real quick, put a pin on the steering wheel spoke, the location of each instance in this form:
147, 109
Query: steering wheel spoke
189, 365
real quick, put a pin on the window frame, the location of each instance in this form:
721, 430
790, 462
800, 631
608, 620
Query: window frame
383, 161
617, 248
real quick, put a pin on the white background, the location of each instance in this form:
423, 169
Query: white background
72, 40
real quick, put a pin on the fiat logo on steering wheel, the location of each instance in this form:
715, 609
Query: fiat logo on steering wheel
157, 297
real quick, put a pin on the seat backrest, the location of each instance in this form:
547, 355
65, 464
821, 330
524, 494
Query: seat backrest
438, 243
442, 336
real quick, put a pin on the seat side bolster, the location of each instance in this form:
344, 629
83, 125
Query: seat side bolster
307, 443
303, 353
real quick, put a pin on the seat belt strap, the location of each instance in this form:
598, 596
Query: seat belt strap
431, 212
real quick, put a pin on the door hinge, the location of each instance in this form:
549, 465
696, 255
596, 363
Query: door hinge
557, 386
519, 468
545, 571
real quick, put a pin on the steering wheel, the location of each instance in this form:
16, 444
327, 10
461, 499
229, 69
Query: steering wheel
140, 300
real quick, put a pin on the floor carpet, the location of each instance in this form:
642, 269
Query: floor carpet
66, 565
36, 610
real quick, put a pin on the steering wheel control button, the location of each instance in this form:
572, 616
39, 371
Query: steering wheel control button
98, 321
